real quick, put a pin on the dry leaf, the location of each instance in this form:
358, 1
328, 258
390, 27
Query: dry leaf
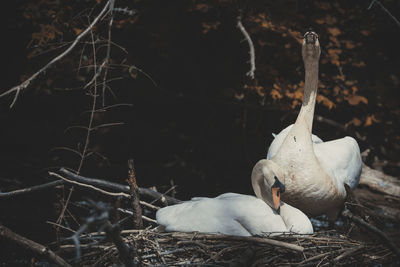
359, 64
349, 44
370, 120
334, 31
365, 32
336, 90
356, 99
354, 121
325, 101
275, 94
77, 31
276, 86
295, 103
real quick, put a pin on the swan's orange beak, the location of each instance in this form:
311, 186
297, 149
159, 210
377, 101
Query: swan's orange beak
276, 197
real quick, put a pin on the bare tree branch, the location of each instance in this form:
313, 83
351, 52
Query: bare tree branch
30, 189
120, 194
384, 9
118, 187
250, 73
31, 245
17, 89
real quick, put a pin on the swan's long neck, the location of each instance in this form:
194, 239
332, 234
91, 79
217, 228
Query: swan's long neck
306, 114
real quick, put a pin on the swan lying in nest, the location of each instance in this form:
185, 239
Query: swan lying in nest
237, 214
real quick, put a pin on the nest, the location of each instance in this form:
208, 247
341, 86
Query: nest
155, 248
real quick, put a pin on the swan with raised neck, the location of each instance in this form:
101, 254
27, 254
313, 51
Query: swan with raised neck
314, 178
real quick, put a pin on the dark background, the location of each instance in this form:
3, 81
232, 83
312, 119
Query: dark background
198, 122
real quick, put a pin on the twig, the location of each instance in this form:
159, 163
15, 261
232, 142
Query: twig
320, 256
143, 217
108, 53
60, 226
31, 245
89, 186
252, 239
347, 213
162, 198
348, 253
148, 205
31, 189
100, 218
95, 182
384, 9
239, 24
117, 187
17, 89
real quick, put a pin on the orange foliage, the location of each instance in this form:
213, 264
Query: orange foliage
356, 99
325, 101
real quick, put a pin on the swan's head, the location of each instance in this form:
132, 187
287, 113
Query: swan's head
310, 48
268, 182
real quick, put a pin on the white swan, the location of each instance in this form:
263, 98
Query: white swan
314, 172
236, 214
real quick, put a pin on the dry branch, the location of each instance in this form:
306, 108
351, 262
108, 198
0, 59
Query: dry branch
246, 35
31, 189
379, 181
252, 239
348, 252
120, 194
118, 187
135, 200
17, 89
31, 245
384, 9
122, 190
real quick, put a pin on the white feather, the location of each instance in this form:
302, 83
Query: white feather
339, 158
233, 214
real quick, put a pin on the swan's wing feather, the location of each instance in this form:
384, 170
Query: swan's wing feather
341, 159
279, 138
231, 214
202, 214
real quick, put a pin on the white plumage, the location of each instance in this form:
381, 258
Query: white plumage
339, 158
314, 172
233, 214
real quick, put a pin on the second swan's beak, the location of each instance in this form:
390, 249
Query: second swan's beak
277, 188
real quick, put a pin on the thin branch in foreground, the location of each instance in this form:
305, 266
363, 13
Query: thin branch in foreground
90, 186
32, 245
239, 24
31, 189
118, 187
17, 89
100, 219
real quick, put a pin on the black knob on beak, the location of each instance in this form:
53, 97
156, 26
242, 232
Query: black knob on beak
279, 185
